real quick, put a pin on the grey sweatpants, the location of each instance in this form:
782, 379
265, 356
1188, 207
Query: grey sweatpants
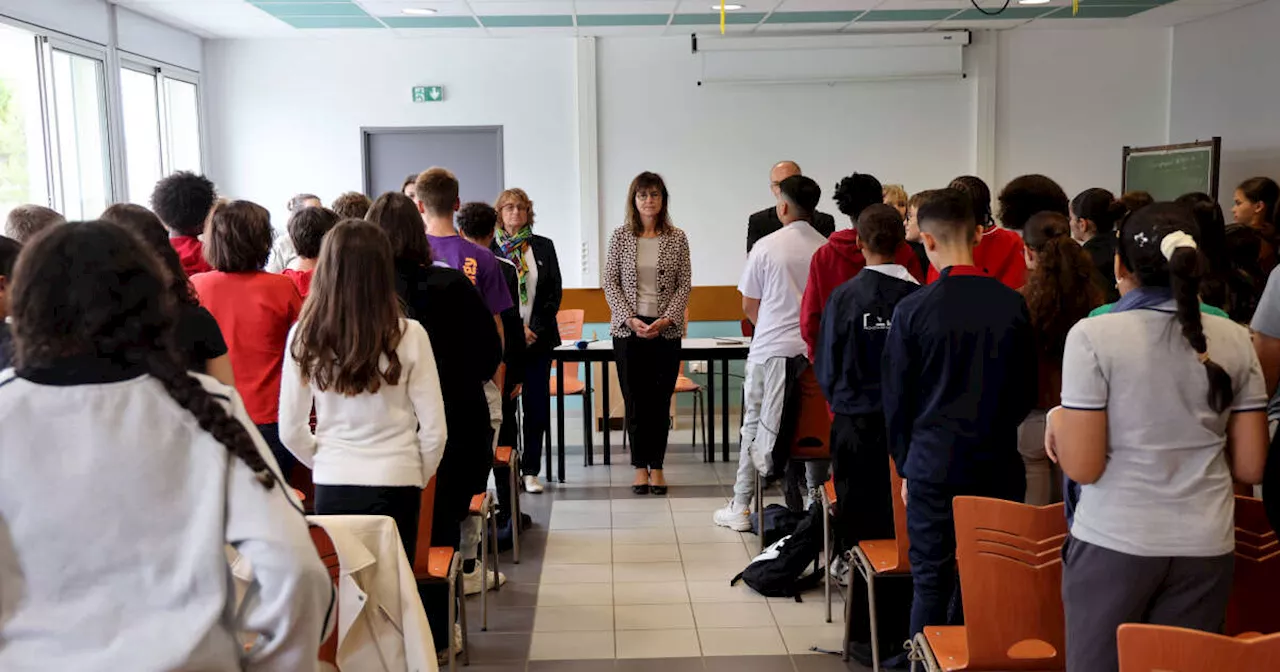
1102, 588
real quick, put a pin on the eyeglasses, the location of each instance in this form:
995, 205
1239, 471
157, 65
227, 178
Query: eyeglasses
515, 206
648, 195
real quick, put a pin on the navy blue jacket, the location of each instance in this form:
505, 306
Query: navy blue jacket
959, 375
855, 324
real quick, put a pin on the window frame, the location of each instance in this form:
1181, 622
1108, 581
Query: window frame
162, 72
48, 44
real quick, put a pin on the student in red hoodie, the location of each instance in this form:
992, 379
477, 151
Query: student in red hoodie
1000, 251
182, 201
841, 257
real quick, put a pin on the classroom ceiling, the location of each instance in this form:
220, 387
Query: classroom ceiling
502, 18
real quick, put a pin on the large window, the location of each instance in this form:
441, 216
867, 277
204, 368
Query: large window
184, 125
80, 129
23, 169
140, 104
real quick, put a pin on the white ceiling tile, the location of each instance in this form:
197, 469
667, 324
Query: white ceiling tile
397, 7
216, 19
626, 6
621, 31
926, 4
989, 24
807, 28
508, 8
705, 6
890, 26
419, 33
827, 5
558, 31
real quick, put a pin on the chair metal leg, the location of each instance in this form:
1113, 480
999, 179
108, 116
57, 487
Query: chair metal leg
693, 425
760, 507
868, 574
922, 653
516, 515
848, 615
826, 550
462, 610
453, 613
484, 573
493, 548
702, 403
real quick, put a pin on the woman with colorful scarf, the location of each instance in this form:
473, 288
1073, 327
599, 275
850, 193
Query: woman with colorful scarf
540, 290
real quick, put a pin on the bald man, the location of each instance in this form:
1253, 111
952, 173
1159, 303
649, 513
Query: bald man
766, 221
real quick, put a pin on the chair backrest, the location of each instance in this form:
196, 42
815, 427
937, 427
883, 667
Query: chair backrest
329, 556
422, 550
899, 522
1010, 560
570, 323
1255, 593
1161, 648
812, 428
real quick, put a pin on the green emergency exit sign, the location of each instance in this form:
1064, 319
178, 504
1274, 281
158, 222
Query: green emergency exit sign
428, 94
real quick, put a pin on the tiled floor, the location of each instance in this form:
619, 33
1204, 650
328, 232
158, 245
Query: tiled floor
612, 581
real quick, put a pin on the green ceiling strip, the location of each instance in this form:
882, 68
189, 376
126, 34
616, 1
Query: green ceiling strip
430, 22
733, 18
316, 22
1099, 12
906, 15
1010, 13
312, 9
623, 19
528, 21
812, 17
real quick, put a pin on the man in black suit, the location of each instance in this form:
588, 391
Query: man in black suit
766, 221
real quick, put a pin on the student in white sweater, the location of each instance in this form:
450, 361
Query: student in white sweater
380, 424
123, 478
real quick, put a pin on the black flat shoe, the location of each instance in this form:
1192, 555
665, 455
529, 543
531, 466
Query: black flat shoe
658, 489
642, 489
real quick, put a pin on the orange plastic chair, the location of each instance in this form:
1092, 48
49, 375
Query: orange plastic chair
878, 558
1161, 648
440, 563
828, 497
1010, 560
483, 506
570, 323
329, 556
1255, 594
506, 456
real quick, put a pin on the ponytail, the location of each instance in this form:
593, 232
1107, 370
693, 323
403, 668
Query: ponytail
1185, 270
211, 416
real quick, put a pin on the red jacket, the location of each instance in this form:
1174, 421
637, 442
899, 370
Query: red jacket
834, 263
1000, 254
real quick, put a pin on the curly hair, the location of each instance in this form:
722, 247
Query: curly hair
1061, 290
1028, 195
351, 205
92, 289
854, 193
146, 226
182, 201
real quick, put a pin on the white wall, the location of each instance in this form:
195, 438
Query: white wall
284, 116
1226, 82
88, 20
1070, 100
147, 37
714, 145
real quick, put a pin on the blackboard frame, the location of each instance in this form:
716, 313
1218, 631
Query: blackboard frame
1215, 158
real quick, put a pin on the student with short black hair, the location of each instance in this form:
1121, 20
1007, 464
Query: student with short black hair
351, 205
307, 229
282, 253
998, 251
1162, 407
371, 373
855, 323
254, 309
198, 339
1094, 214
156, 472
1028, 195
182, 201
9, 251
1136, 200
25, 221
959, 376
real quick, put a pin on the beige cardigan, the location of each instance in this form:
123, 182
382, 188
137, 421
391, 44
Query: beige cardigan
675, 276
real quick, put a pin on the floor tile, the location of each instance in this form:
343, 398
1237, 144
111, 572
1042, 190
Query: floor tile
579, 554
506, 619
586, 573
503, 666
644, 535
734, 554
710, 571
568, 595
749, 664
628, 572
643, 519
570, 646
739, 642
799, 639
653, 617
633, 553
638, 505
807, 613
711, 535
573, 619
580, 521
579, 537
663, 664
673, 592
658, 643
515, 595
828, 663
706, 504
733, 615
492, 647
582, 506
721, 591
567, 666
693, 519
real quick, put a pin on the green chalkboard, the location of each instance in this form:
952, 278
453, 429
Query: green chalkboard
1169, 171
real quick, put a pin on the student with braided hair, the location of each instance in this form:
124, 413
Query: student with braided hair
153, 471
1162, 406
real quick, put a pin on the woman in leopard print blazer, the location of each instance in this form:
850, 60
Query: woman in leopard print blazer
647, 279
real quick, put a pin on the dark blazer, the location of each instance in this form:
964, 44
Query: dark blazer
766, 222
513, 350
546, 294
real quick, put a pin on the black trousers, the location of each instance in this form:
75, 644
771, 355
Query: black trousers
400, 502
860, 462
271, 434
647, 371
536, 400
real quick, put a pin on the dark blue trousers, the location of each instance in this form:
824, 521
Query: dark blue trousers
932, 531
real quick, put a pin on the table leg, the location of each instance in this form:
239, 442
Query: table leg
604, 401
559, 419
588, 449
724, 401
710, 454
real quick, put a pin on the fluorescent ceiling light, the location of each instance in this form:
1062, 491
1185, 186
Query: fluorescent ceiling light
1033, 2
731, 7
427, 11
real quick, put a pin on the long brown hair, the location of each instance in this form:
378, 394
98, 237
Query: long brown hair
400, 220
147, 226
351, 319
1061, 290
647, 180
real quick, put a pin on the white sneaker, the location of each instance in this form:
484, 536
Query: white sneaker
531, 485
734, 517
457, 638
473, 581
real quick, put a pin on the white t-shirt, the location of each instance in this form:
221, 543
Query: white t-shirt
392, 437
776, 273
531, 284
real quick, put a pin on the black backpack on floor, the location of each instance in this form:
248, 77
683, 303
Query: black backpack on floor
780, 570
